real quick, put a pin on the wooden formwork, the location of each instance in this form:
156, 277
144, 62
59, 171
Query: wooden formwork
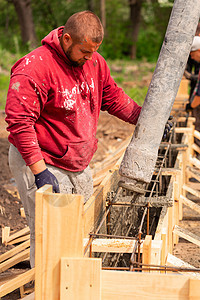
63, 225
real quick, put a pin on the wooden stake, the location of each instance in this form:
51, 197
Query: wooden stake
146, 256
5, 234
59, 232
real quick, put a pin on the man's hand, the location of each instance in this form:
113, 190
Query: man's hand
168, 127
46, 177
188, 107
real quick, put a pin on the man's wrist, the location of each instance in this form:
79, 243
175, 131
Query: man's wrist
38, 167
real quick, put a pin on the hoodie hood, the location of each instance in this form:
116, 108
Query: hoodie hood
53, 41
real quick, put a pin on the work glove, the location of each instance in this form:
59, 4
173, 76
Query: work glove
188, 107
46, 177
168, 127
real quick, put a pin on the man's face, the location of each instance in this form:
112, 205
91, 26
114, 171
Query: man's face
79, 53
195, 55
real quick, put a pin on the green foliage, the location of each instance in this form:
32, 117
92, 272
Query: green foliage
152, 30
116, 45
4, 83
49, 14
148, 44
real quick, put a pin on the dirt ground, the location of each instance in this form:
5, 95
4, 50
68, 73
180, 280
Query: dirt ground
111, 132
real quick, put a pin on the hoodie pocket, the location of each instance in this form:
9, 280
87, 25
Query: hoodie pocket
77, 156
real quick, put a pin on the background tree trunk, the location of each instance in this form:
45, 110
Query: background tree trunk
135, 16
24, 12
90, 5
103, 13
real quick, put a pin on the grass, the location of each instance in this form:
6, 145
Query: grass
133, 76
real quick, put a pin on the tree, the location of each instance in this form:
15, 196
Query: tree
103, 13
90, 5
24, 13
135, 17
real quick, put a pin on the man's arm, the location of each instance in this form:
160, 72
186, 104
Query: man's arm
196, 101
38, 167
116, 102
24, 102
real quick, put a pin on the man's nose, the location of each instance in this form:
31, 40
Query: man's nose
88, 56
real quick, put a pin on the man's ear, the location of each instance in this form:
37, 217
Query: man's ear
67, 40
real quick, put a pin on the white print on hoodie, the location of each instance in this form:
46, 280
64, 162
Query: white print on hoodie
70, 96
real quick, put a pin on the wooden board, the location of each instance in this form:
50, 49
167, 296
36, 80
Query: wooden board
96, 205
187, 235
59, 232
17, 282
80, 279
118, 285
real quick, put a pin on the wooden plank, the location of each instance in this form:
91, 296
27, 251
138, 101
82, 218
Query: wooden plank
96, 205
162, 223
170, 225
195, 162
191, 190
112, 158
118, 285
30, 297
190, 150
146, 255
190, 204
193, 172
22, 212
14, 251
183, 130
59, 233
177, 262
14, 260
194, 289
196, 148
17, 282
183, 119
187, 235
80, 278
18, 234
169, 171
119, 245
5, 234
19, 240
183, 88
197, 134
181, 180
164, 246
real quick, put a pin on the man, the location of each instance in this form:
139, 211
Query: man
192, 68
54, 99
191, 73
195, 98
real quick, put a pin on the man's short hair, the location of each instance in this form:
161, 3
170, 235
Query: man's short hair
84, 24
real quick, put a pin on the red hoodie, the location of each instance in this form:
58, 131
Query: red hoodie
53, 108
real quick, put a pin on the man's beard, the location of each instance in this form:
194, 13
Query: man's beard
78, 63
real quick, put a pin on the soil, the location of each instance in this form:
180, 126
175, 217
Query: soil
111, 132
